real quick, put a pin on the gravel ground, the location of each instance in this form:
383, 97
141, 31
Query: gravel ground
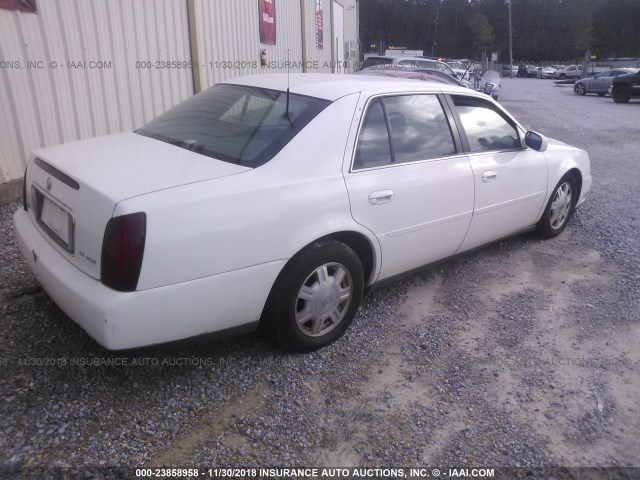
522, 354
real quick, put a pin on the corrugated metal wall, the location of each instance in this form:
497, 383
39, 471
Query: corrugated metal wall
318, 58
81, 68
57, 98
351, 35
229, 39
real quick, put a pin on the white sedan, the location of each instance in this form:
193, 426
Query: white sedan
250, 205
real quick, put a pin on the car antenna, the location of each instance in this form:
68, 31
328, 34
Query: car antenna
465, 73
287, 114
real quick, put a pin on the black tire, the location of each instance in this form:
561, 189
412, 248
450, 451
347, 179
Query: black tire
286, 306
580, 89
552, 223
562, 76
621, 94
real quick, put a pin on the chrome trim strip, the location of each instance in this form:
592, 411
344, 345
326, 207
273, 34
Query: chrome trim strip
496, 206
430, 224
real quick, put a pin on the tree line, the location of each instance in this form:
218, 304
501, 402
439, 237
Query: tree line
543, 30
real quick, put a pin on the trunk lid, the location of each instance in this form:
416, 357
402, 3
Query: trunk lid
73, 188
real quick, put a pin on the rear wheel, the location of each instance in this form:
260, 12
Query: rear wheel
560, 207
315, 297
579, 89
621, 94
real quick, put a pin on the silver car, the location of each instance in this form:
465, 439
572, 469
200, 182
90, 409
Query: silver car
600, 83
571, 71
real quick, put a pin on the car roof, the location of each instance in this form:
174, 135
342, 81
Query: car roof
333, 86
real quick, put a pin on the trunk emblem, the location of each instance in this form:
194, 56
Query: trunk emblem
49, 183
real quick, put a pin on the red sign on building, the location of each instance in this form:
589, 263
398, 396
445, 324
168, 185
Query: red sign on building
267, 21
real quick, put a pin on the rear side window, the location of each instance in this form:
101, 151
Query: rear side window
237, 124
486, 128
403, 129
373, 148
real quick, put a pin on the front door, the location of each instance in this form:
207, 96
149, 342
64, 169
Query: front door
510, 181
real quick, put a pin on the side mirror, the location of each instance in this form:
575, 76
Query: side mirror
536, 141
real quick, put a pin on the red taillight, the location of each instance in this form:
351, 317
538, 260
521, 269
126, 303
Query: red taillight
24, 190
122, 251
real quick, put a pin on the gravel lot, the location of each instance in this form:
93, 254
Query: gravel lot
523, 354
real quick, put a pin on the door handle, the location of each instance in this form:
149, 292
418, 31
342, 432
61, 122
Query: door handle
489, 176
380, 197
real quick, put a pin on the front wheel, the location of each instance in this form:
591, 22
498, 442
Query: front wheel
316, 296
621, 94
560, 207
579, 89
563, 76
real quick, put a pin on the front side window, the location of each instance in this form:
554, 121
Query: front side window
235, 123
403, 129
486, 129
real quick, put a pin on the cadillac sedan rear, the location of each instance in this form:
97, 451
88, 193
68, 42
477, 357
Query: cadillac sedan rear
135, 235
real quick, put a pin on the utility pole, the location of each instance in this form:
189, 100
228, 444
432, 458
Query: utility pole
508, 4
435, 34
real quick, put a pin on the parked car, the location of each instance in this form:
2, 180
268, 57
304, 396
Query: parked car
394, 62
415, 63
601, 82
410, 75
527, 71
547, 72
446, 77
624, 87
507, 71
570, 71
274, 201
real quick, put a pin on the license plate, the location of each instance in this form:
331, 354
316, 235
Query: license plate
56, 221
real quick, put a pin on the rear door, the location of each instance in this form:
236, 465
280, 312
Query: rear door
409, 181
510, 181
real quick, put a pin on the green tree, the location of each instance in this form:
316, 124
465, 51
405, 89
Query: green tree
482, 31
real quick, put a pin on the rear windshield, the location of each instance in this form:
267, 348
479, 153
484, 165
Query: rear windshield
238, 124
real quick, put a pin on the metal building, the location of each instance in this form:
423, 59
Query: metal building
76, 68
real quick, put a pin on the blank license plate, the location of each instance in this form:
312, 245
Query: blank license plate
57, 220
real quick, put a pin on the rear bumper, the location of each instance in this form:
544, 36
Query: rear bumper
120, 320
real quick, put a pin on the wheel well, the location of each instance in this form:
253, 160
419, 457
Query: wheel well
358, 242
575, 173
361, 245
